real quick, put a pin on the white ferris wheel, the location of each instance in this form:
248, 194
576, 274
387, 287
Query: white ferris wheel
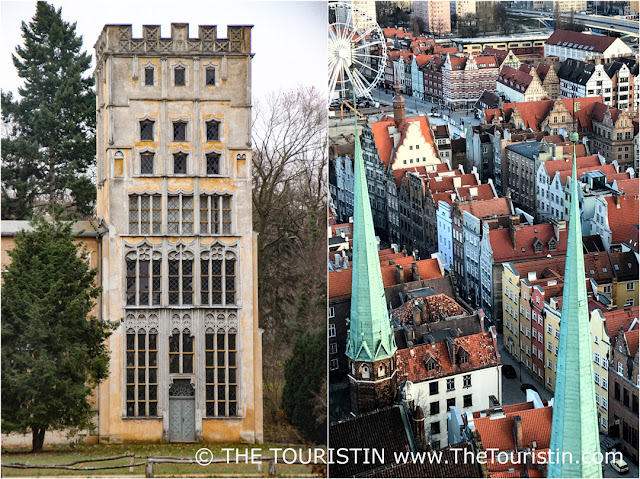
357, 51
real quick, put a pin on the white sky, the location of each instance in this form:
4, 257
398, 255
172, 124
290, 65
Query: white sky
289, 38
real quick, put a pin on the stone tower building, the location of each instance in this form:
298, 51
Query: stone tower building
179, 258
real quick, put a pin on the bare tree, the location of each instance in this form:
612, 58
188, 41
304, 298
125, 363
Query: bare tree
289, 215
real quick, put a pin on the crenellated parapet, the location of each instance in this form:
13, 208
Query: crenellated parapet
119, 40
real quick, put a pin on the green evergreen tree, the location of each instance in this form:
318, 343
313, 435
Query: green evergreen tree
50, 147
53, 352
305, 374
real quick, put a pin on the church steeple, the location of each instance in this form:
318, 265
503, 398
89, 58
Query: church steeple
370, 345
370, 333
574, 427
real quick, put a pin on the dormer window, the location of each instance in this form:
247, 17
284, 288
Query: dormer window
537, 246
430, 364
179, 76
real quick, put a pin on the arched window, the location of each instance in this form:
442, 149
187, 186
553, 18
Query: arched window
364, 371
181, 352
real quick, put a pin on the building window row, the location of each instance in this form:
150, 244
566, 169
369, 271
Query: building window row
145, 214
180, 130
179, 75
218, 285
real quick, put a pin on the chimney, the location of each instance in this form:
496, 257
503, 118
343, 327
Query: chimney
518, 435
513, 230
391, 262
398, 106
399, 274
418, 429
415, 274
457, 182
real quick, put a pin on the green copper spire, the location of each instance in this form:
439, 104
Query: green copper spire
370, 333
574, 428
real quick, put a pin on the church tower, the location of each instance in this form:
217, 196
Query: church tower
179, 258
370, 344
574, 428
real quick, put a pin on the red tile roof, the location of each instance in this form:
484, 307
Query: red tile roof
623, 214
485, 208
498, 432
633, 337
490, 113
340, 281
606, 169
480, 348
564, 37
525, 236
619, 318
384, 142
438, 303
565, 164
479, 192
342, 225
628, 186
534, 112
523, 406
514, 79
441, 184
542, 267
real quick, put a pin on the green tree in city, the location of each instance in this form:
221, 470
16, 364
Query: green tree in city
53, 352
48, 152
304, 394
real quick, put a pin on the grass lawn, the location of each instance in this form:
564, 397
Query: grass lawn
68, 454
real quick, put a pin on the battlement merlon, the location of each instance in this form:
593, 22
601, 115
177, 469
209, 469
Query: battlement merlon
118, 40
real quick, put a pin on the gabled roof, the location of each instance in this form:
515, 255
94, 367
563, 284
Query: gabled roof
441, 184
619, 318
580, 41
479, 192
438, 303
607, 170
515, 79
525, 237
486, 208
384, 142
623, 215
633, 239
625, 265
480, 347
601, 266
632, 338
628, 186
576, 71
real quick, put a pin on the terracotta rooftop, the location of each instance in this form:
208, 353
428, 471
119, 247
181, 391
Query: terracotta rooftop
607, 170
436, 304
498, 432
342, 226
485, 208
479, 192
565, 164
446, 183
628, 186
623, 215
541, 267
340, 281
580, 41
515, 79
384, 142
505, 249
598, 267
478, 348
633, 337
523, 406
619, 319
535, 112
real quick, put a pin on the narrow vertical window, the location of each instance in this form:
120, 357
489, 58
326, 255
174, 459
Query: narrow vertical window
173, 215
174, 281
187, 215
218, 281
148, 76
204, 214
213, 164
233, 378
205, 289
142, 373
179, 131
187, 281
209, 369
221, 374
145, 214
146, 131
131, 282
143, 278
187, 353
156, 281
146, 164
131, 374
230, 281
179, 76
153, 374
133, 215
174, 353
213, 131
226, 214
179, 164
210, 76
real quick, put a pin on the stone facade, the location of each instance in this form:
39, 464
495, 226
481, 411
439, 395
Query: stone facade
179, 259
372, 385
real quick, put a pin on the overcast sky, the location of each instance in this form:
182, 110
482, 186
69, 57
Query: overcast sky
289, 38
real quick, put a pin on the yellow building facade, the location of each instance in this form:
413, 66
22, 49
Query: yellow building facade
179, 263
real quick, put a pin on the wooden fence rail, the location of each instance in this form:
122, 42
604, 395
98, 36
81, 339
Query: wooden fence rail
148, 463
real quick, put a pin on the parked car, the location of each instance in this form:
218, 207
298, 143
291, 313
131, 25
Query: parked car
620, 466
526, 386
509, 371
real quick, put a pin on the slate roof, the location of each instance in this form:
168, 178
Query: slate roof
576, 71
591, 43
515, 79
381, 429
625, 265
481, 351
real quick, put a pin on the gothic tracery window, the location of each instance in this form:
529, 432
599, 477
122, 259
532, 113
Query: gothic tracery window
218, 285
180, 277
143, 277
